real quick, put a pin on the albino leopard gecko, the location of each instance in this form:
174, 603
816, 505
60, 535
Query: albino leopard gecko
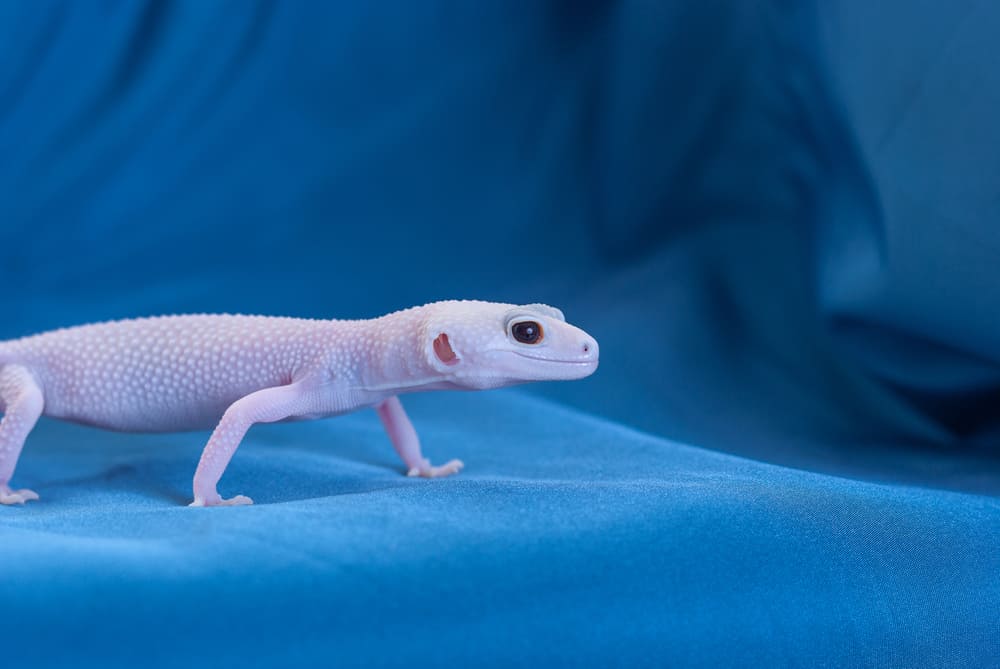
174, 373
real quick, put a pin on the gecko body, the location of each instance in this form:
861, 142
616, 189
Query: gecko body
178, 373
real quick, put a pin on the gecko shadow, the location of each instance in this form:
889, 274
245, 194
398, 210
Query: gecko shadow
159, 480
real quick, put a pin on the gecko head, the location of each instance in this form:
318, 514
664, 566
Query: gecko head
480, 345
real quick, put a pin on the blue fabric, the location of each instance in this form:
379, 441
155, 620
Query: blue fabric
778, 219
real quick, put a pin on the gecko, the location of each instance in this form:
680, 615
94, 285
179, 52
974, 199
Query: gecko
196, 372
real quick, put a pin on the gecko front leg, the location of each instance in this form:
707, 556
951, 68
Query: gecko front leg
264, 406
407, 444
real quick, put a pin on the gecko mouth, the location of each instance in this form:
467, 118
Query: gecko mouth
556, 360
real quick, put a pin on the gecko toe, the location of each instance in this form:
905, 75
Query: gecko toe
8, 496
430, 472
239, 500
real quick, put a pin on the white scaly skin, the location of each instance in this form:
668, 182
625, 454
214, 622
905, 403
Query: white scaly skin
177, 373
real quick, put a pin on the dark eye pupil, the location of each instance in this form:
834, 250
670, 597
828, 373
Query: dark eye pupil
527, 332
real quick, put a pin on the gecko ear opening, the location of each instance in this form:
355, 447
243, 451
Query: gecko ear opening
444, 351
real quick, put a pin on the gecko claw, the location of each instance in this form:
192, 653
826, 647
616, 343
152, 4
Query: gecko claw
8, 496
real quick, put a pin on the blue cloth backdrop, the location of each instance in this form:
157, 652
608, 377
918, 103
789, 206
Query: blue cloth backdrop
779, 219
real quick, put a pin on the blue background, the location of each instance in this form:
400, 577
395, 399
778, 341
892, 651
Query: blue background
779, 219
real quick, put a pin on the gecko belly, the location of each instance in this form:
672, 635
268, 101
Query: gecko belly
137, 414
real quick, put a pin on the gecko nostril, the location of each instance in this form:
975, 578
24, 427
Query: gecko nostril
586, 348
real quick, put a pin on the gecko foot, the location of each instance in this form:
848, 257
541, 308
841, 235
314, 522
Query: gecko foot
8, 496
239, 500
427, 471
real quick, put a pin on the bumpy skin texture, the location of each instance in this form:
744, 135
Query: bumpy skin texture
178, 373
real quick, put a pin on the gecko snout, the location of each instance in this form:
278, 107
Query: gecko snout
589, 348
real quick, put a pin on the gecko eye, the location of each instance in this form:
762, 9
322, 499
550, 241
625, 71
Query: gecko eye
527, 332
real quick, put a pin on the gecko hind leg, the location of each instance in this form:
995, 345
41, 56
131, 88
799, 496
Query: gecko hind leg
21, 401
404, 439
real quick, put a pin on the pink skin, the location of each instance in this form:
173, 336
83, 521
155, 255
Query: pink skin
184, 372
